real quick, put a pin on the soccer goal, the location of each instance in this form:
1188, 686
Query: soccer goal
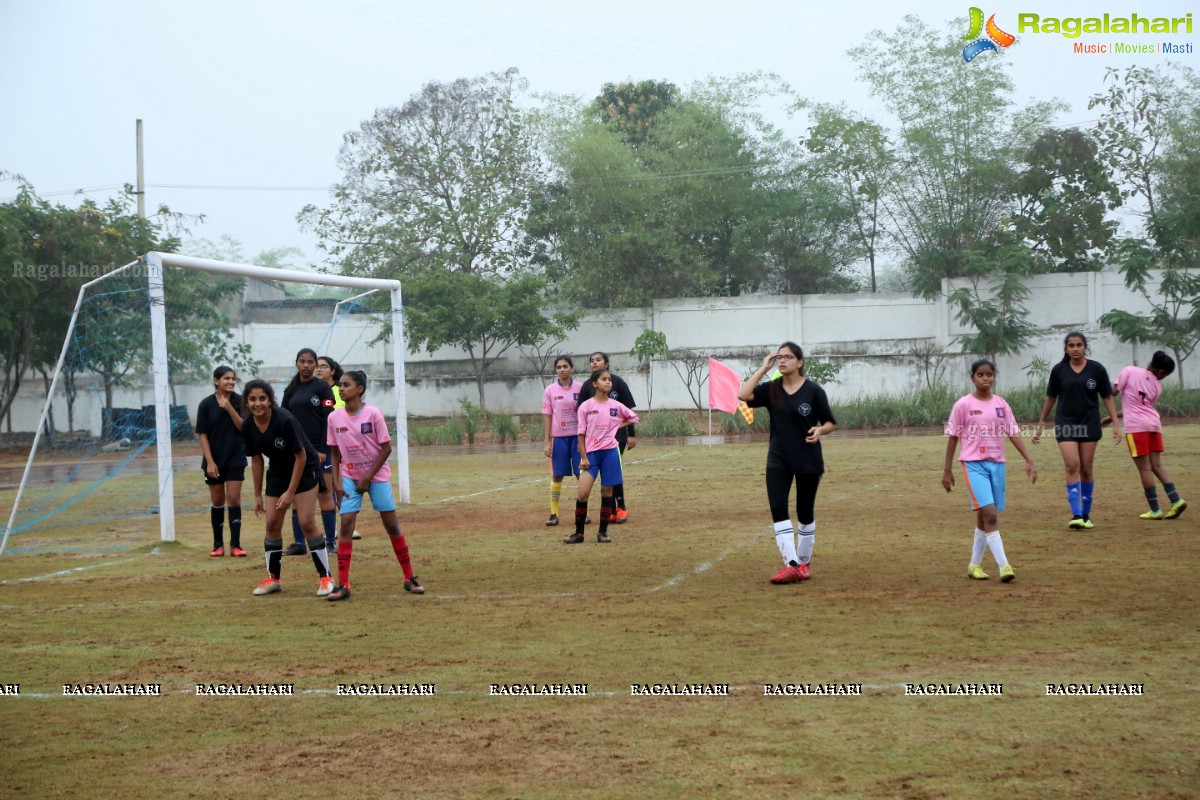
114, 458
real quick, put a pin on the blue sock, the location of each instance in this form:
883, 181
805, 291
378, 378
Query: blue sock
297, 534
1073, 499
329, 521
1085, 496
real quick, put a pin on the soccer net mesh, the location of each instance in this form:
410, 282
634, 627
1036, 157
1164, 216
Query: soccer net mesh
91, 482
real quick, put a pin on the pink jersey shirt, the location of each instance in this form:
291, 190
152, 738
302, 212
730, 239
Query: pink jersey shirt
560, 403
1139, 390
359, 438
981, 426
598, 422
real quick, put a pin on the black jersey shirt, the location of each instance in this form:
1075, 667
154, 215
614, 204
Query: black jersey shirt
279, 443
311, 402
1078, 393
224, 439
791, 419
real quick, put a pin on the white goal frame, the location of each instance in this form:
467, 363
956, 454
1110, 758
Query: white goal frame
154, 264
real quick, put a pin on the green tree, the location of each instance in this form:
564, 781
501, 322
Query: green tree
649, 343
997, 312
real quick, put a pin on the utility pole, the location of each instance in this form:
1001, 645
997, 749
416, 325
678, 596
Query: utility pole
141, 174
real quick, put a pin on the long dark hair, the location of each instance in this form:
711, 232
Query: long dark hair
291, 387
257, 383
1161, 362
335, 369
777, 384
1066, 358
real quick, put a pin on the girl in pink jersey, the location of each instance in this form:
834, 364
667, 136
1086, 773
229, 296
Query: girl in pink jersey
359, 447
1139, 389
599, 420
561, 440
981, 420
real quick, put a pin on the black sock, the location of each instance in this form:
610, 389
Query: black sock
1172, 492
216, 515
235, 527
274, 551
608, 507
619, 495
1152, 497
580, 515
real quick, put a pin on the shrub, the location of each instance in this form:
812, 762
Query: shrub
666, 423
505, 426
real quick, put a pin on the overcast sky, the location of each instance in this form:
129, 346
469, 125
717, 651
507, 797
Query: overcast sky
259, 94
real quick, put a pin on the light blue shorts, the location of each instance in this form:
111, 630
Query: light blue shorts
382, 498
985, 482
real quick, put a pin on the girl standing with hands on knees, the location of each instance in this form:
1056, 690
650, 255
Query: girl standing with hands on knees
600, 417
1077, 384
800, 418
981, 420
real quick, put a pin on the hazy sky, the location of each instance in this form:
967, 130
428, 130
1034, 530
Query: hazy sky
259, 94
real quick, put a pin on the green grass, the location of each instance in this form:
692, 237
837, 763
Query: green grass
680, 596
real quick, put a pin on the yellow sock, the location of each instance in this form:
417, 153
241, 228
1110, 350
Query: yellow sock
555, 493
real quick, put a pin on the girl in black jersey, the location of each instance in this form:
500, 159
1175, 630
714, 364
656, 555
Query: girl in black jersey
1078, 384
311, 401
800, 418
219, 429
627, 436
273, 435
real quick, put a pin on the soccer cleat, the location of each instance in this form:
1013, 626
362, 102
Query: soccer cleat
268, 586
1076, 523
237, 552
603, 538
217, 552
587, 520
325, 586
574, 538
1087, 524
413, 585
803, 572
355, 535
331, 547
1006, 574
975, 572
1156, 515
550, 523
621, 516
787, 574
1178, 508
340, 593
296, 549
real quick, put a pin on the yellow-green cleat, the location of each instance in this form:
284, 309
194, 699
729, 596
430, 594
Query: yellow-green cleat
1176, 509
1007, 574
975, 572
1151, 515
1087, 524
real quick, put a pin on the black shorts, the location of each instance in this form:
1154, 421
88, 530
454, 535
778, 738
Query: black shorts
277, 483
1078, 432
237, 474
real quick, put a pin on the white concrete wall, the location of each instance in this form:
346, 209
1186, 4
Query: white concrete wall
872, 337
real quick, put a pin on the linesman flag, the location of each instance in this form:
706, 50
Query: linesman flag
723, 385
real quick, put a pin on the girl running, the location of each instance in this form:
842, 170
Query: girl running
1139, 389
626, 437
273, 434
219, 429
800, 418
359, 446
561, 440
982, 420
600, 417
1078, 384
311, 402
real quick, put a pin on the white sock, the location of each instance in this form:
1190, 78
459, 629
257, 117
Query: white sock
997, 547
808, 533
785, 539
978, 548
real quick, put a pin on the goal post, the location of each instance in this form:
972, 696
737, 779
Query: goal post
117, 321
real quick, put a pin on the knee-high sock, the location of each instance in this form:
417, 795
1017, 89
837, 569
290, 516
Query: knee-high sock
216, 516
320, 556
555, 495
297, 533
1086, 488
1073, 492
978, 546
608, 508
329, 522
619, 495
997, 548
1172, 492
808, 535
400, 548
580, 515
785, 540
273, 551
235, 526
345, 549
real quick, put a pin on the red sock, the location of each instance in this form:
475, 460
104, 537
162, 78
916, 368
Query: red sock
345, 547
400, 548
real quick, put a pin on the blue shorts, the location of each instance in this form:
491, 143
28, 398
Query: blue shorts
564, 457
382, 498
606, 463
985, 482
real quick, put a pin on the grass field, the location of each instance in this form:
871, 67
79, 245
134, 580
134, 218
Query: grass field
681, 596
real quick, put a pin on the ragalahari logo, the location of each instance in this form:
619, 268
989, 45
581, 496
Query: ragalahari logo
994, 37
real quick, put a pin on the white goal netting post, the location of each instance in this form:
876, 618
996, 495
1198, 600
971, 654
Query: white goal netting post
155, 306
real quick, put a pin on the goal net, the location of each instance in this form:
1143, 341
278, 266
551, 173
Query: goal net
114, 462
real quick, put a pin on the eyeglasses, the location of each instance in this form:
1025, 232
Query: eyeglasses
785, 358
322, 366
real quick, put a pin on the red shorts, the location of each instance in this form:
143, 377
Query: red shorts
1144, 443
